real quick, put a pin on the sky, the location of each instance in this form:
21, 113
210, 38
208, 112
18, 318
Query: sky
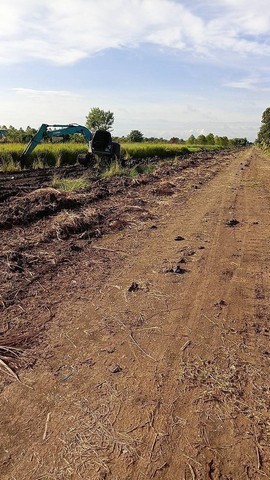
164, 67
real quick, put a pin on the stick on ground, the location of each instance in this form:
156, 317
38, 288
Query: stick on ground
46, 426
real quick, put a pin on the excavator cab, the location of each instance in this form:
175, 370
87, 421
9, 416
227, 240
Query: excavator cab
102, 142
101, 146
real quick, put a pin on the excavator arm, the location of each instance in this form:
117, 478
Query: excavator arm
50, 131
62, 130
35, 141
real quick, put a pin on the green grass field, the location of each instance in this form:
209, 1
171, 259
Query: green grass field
66, 153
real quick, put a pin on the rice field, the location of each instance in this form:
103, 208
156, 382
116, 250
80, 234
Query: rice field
66, 153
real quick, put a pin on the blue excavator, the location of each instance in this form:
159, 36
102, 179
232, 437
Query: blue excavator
100, 143
2, 133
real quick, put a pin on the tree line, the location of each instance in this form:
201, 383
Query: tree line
11, 134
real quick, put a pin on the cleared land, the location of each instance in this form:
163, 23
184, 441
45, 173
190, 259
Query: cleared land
136, 316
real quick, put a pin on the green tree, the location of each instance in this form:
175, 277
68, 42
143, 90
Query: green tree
12, 134
99, 119
222, 141
29, 133
239, 142
264, 132
210, 139
201, 140
135, 136
191, 140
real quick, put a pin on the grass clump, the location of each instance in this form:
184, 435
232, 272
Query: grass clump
69, 184
113, 170
10, 165
140, 170
39, 163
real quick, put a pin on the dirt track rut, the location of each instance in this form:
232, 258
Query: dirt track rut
155, 364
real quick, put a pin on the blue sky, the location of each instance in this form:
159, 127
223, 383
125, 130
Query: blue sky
165, 67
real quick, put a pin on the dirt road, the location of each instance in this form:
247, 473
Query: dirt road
145, 338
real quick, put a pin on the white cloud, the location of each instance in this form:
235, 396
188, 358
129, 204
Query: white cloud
257, 84
246, 84
32, 93
65, 31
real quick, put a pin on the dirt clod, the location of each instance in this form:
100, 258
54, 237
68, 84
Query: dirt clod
134, 287
115, 368
180, 270
232, 223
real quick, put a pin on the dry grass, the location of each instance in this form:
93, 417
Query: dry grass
216, 380
91, 441
14, 352
235, 385
68, 223
6, 354
41, 202
95, 440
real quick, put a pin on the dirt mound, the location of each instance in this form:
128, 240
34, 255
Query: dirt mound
68, 223
35, 205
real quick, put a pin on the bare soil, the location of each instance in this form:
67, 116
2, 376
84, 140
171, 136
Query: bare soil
134, 340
